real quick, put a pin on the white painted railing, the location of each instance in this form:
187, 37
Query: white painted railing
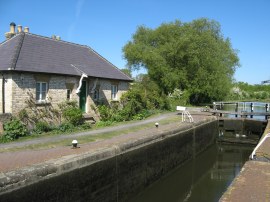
253, 154
185, 113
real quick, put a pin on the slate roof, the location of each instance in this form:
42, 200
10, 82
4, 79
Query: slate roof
33, 53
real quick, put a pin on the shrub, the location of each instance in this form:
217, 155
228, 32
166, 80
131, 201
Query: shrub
67, 104
118, 117
42, 126
85, 126
138, 117
14, 129
65, 127
73, 115
105, 112
23, 115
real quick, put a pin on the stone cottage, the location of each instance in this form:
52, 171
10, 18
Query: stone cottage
53, 70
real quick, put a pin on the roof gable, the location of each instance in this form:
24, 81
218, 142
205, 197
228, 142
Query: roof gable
33, 53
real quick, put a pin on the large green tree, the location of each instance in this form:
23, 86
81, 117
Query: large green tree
188, 56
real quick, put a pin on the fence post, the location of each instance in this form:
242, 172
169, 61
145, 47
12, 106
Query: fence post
236, 109
251, 109
266, 110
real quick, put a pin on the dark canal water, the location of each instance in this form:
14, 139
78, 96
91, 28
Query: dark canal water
205, 178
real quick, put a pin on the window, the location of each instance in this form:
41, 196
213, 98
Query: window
41, 91
68, 94
114, 92
96, 94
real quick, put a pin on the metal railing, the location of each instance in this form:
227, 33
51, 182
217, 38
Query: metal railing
253, 154
185, 114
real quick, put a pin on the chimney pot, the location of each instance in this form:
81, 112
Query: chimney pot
11, 32
12, 27
26, 29
19, 28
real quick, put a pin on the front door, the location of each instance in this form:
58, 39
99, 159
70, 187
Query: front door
83, 96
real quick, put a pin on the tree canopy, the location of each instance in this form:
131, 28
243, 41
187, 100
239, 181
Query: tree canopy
188, 56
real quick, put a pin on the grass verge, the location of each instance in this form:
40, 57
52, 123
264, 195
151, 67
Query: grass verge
90, 138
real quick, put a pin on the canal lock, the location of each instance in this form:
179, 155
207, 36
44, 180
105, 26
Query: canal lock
240, 130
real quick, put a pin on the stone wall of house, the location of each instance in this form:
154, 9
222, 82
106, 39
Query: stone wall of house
1, 96
5, 117
21, 86
90, 103
58, 86
24, 86
72, 84
104, 87
57, 92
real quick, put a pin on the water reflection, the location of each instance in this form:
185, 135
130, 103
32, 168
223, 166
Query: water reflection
204, 178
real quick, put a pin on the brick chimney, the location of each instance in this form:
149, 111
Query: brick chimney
11, 33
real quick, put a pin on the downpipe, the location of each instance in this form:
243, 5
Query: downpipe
80, 83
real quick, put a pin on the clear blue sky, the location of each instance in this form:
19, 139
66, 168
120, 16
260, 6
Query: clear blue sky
107, 25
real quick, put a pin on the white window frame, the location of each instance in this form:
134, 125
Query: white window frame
114, 91
39, 97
